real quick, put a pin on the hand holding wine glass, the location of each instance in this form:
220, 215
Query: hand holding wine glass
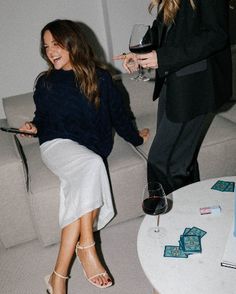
154, 201
148, 60
141, 42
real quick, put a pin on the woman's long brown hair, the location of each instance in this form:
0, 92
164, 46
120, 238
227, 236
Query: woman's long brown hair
169, 8
70, 37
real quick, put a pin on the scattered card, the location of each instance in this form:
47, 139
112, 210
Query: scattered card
191, 244
174, 251
186, 230
181, 247
230, 187
196, 231
223, 186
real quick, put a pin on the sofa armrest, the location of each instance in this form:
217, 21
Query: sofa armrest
15, 221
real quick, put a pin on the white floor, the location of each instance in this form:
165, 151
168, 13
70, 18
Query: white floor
22, 268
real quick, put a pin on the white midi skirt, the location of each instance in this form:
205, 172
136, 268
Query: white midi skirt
84, 181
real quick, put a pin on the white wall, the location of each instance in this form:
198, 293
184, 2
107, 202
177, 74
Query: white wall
21, 22
123, 14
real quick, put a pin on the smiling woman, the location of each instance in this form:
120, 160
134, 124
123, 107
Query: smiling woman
77, 107
68, 36
56, 54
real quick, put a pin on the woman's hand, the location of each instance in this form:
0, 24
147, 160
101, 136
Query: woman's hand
28, 127
130, 62
145, 134
148, 60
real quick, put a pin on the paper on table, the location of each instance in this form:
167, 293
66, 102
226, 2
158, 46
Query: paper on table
229, 257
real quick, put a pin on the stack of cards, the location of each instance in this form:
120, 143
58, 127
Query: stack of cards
223, 186
189, 243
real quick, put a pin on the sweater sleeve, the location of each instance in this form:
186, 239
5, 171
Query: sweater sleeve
121, 121
38, 114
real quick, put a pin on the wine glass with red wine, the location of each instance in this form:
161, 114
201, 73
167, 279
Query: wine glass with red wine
154, 201
141, 42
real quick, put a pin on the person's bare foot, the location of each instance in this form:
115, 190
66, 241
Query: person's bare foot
93, 269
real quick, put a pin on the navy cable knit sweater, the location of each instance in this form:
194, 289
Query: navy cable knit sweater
62, 111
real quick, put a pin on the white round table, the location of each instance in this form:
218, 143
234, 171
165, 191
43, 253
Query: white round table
200, 273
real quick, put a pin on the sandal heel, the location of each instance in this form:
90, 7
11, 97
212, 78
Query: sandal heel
47, 279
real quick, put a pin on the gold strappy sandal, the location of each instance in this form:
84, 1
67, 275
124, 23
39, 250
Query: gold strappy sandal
104, 274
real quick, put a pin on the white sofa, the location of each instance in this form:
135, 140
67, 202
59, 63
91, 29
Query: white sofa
29, 191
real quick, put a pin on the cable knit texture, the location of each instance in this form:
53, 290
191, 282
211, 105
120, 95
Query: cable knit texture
62, 111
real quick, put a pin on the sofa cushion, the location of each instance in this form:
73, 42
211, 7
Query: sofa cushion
43, 196
19, 109
147, 121
220, 131
217, 153
229, 111
15, 219
138, 95
128, 177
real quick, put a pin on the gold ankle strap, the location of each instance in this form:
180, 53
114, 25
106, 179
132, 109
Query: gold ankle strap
78, 246
60, 276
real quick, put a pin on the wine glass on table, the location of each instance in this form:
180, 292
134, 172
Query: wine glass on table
154, 202
140, 42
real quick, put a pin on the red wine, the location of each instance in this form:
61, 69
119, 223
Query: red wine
154, 205
140, 49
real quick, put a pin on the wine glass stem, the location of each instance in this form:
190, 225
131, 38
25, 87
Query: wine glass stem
157, 229
140, 72
139, 75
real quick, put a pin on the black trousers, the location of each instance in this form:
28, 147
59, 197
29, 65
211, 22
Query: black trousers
172, 158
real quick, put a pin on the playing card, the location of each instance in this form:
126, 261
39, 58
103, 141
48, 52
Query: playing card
223, 186
191, 243
196, 231
181, 247
186, 231
219, 185
174, 251
230, 187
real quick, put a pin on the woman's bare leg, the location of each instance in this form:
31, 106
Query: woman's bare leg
81, 229
69, 238
89, 257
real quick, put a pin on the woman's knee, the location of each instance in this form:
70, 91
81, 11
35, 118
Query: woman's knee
96, 160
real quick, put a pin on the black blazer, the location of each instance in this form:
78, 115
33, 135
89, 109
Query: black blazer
194, 59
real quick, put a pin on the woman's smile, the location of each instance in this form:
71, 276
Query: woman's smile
57, 55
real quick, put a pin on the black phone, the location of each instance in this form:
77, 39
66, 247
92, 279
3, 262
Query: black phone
16, 131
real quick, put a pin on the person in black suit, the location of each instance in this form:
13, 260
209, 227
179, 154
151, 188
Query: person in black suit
192, 58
